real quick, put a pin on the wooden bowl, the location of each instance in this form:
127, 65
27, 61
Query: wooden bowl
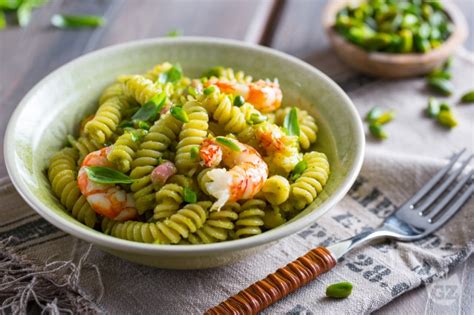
390, 65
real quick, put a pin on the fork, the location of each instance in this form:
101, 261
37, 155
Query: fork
422, 214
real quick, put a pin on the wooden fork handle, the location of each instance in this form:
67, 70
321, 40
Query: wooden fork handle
277, 285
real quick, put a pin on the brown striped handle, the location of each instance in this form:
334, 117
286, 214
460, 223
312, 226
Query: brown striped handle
277, 285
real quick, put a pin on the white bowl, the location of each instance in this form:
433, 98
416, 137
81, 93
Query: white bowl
54, 107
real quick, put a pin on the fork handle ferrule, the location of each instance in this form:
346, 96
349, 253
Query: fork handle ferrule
277, 285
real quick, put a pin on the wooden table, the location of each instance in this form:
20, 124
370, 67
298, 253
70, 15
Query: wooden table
293, 26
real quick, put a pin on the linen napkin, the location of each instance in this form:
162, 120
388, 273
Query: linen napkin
392, 172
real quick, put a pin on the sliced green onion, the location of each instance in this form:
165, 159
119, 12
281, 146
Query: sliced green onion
173, 75
192, 91
126, 124
228, 143
189, 195
10, 4
194, 152
76, 21
468, 97
300, 167
150, 110
179, 113
239, 100
107, 175
433, 108
256, 118
143, 125
339, 290
136, 134
291, 124
210, 89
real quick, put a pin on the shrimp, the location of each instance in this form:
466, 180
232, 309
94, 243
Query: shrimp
281, 150
243, 180
265, 96
105, 199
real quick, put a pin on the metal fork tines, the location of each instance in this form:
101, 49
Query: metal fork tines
440, 198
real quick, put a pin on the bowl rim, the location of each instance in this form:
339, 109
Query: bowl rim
109, 242
456, 39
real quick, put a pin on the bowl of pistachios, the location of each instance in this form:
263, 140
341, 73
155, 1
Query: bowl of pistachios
394, 38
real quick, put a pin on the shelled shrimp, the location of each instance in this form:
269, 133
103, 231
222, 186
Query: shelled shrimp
108, 200
265, 96
246, 175
280, 149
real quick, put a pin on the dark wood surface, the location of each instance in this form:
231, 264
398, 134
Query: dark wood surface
293, 26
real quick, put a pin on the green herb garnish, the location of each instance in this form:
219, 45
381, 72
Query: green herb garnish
339, 290
239, 100
107, 175
189, 195
300, 167
290, 123
173, 75
77, 21
151, 109
210, 89
228, 143
256, 118
179, 113
194, 152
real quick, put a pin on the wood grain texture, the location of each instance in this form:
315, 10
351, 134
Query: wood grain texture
29, 54
277, 285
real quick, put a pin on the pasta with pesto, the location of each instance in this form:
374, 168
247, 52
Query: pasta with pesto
170, 159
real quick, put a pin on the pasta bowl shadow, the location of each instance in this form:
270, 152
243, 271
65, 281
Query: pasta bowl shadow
56, 105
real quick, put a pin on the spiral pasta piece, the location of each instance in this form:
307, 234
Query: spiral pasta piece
143, 90
311, 182
217, 226
62, 174
308, 127
157, 70
160, 136
250, 219
113, 90
106, 120
123, 152
84, 145
187, 220
192, 134
131, 230
168, 200
276, 189
230, 117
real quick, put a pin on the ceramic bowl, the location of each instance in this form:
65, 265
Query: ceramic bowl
388, 65
55, 106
